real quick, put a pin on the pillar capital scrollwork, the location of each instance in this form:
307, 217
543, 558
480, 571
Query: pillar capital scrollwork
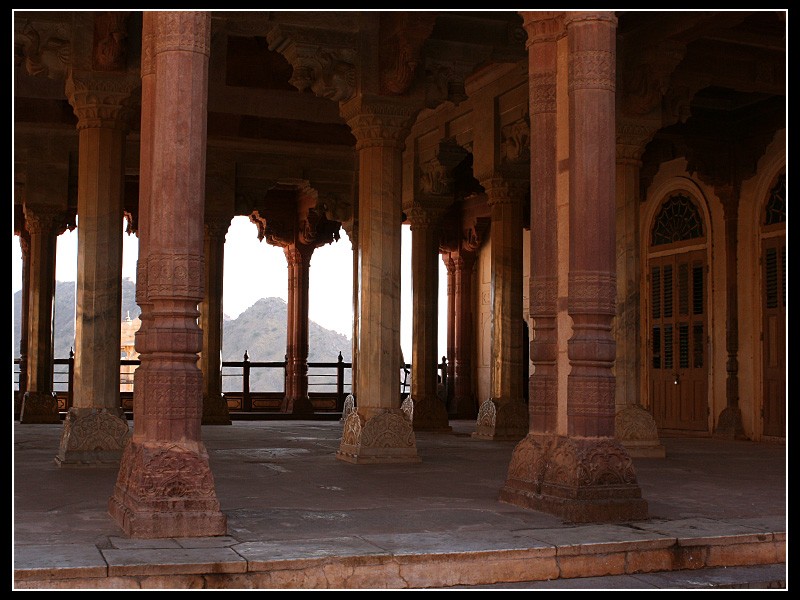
216, 227
45, 220
588, 17
377, 121
504, 190
632, 138
101, 101
425, 215
543, 26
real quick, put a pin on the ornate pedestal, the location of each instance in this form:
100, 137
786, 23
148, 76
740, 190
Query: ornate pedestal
379, 437
502, 421
581, 480
92, 436
39, 407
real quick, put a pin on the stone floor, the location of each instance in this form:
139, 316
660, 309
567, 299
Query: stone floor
300, 518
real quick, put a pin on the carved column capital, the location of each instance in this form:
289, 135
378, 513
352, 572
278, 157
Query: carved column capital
101, 101
377, 121
504, 190
216, 227
543, 26
45, 219
632, 138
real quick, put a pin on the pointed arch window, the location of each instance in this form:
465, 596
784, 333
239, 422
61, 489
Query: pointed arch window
677, 221
775, 211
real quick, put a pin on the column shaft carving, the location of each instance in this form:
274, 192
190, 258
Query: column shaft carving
296, 400
504, 415
634, 425
95, 430
378, 431
463, 339
165, 487
430, 413
729, 423
585, 476
215, 408
39, 403
25, 247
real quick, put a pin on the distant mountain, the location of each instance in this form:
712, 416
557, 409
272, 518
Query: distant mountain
260, 330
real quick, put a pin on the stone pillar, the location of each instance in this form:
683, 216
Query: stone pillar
352, 232
463, 338
729, 424
504, 416
215, 408
585, 475
634, 425
40, 403
378, 431
430, 413
165, 487
296, 400
449, 266
95, 428
25, 247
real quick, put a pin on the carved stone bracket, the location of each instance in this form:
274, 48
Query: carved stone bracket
647, 75
323, 62
109, 52
44, 49
403, 35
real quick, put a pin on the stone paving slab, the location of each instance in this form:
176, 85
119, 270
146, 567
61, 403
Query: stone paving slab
59, 561
160, 561
262, 555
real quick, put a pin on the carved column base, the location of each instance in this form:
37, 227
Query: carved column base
636, 430
215, 410
729, 424
502, 421
297, 406
166, 489
39, 407
92, 436
379, 437
430, 414
581, 480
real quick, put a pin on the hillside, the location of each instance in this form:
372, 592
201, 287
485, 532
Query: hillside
260, 330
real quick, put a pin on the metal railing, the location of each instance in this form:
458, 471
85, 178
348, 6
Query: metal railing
329, 383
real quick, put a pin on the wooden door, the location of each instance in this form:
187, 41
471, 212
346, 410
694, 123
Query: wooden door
773, 268
678, 335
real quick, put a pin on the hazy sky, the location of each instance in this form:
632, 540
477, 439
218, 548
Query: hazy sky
255, 270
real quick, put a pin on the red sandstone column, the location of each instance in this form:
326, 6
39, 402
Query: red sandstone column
296, 400
586, 475
378, 431
449, 266
592, 277
634, 425
463, 339
352, 233
40, 404
165, 487
215, 408
504, 416
95, 429
430, 413
25, 247
729, 423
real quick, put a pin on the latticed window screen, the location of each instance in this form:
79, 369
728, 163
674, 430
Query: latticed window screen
776, 205
775, 274
677, 221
